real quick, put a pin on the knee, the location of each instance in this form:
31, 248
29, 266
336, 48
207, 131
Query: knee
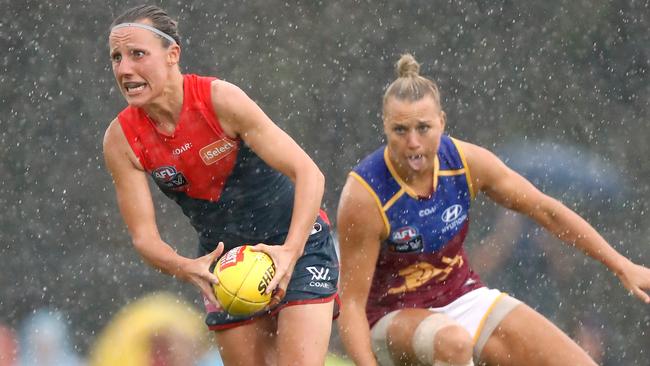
439, 340
453, 345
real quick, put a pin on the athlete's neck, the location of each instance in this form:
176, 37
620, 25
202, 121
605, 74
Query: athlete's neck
165, 110
421, 182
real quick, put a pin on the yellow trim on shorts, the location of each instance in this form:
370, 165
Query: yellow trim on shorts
374, 195
481, 324
468, 176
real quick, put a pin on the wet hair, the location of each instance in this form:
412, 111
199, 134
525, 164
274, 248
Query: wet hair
158, 18
409, 85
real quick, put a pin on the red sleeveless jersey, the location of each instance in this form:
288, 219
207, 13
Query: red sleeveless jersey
197, 157
228, 192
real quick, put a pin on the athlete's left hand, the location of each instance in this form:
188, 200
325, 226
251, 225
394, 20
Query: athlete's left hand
285, 260
636, 279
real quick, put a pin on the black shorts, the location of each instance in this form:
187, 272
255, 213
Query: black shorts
314, 280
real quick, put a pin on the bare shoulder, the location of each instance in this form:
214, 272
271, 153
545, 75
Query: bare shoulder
223, 92
474, 154
359, 208
481, 162
113, 137
231, 104
489, 174
227, 98
355, 196
113, 133
116, 147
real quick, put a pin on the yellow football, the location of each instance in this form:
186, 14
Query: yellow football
243, 276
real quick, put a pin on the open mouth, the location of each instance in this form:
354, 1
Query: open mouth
133, 87
416, 162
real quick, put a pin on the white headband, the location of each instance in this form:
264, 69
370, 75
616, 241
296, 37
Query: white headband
147, 27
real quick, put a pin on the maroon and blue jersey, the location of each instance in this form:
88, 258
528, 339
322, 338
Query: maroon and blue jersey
422, 262
227, 191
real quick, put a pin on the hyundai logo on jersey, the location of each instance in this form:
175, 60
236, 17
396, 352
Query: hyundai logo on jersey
168, 177
406, 239
451, 213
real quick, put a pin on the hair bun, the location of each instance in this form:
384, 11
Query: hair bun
407, 66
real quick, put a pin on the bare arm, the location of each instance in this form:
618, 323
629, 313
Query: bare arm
511, 190
240, 116
136, 206
360, 228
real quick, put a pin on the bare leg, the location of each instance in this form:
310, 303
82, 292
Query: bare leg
525, 337
304, 334
251, 344
451, 344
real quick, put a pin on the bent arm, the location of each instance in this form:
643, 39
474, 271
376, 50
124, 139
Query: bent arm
136, 206
240, 116
135, 202
360, 228
511, 190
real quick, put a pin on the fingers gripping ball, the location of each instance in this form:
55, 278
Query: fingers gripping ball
243, 276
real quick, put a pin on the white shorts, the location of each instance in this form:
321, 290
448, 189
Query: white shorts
471, 311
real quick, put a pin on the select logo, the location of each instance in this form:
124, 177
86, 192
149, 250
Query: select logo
217, 150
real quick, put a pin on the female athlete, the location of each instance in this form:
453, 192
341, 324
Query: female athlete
237, 177
409, 295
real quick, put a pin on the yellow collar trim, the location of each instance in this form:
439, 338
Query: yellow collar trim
410, 191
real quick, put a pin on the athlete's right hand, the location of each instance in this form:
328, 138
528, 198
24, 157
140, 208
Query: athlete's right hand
198, 273
636, 278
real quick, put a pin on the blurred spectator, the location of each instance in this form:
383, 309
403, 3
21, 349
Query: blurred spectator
44, 341
8, 347
157, 330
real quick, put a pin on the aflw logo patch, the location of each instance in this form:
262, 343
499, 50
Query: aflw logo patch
319, 274
216, 151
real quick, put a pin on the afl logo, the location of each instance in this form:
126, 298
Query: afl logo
168, 177
406, 239
451, 213
404, 234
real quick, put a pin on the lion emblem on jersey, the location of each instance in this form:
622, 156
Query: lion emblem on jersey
420, 273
